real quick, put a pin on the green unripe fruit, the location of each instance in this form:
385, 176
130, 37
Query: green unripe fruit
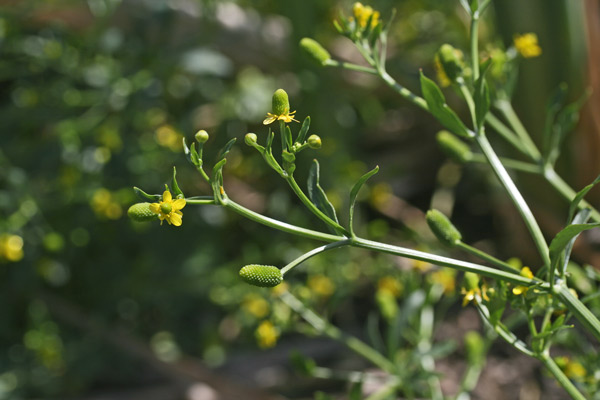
250, 139
442, 228
453, 147
201, 136
314, 142
315, 51
140, 212
451, 60
281, 102
261, 275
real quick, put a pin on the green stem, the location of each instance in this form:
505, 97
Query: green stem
506, 133
579, 310
503, 332
510, 163
314, 252
469, 99
567, 192
561, 377
424, 346
511, 116
207, 200
309, 204
404, 92
324, 327
475, 44
516, 197
487, 257
350, 66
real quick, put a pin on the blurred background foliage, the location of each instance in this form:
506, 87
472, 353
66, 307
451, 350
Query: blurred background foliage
97, 97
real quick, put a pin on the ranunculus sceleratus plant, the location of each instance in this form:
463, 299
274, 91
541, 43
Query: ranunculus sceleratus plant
545, 299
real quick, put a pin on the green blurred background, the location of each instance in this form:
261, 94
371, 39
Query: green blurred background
96, 98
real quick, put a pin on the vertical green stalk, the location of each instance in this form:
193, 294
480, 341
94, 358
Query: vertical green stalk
511, 116
516, 197
560, 376
475, 44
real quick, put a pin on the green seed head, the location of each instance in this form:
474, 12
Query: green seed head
201, 136
451, 60
453, 147
315, 51
442, 228
140, 212
261, 275
250, 139
281, 102
314, 142
166, 208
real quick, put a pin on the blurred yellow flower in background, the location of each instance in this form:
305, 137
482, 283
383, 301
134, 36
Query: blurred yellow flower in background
527, 45
11, 248
266, 334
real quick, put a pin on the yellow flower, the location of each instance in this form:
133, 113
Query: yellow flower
168, 209
11, 247
572, 369
363, 13
445, 278
526, 272
476, 295
390, 285
256, 306
442, 77
321, 285
266, 334
287, 116
527, 45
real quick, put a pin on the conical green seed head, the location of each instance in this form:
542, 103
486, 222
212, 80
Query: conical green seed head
261, 275
281, 102
451, 60
442, 228
453, 147
140, 212
315, 51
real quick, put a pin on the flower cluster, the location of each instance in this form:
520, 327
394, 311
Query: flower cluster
363, 14
527, 45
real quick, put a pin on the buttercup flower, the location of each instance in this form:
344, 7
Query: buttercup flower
527, 45
169, 209
526, 272
281, 109
363, 13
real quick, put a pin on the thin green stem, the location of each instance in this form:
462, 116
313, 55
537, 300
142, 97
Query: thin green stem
511, 116
579, 310
203, 201
469, 99
503, 332
560, 376
516, 197
510, 163
309, 204
475, 44
404, 92
324, 327
506, 133
350, 66
487, 257
314, 252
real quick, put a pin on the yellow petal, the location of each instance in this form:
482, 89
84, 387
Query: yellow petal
269, 120
178, 204
167, 196
175, 219
155, 208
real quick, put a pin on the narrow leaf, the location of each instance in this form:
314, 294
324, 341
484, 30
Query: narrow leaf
304, 130
354, 193
579, 196
555, 103
176, 190
562, 239
288, 135
437, 105
581, 218
481, 96
225, 149
317, 194
145, 196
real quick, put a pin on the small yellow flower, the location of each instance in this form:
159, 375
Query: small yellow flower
287, 117
390, 285
445, 278
572, 369
527, 45
321, 285
11, 248
519, 290
168, 209
363, 13
442, 78
476, 295
266, 334
256, 306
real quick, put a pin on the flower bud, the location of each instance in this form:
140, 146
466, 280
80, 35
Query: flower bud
281, 102
261, 275
315, 51
314, 142
201, 136
453, 147
442, 228
141, 212
250, 139
451, 60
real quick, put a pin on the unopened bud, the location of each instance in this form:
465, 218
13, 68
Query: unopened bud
315, 51
442, 228
281, 102
250, 139
314, 142
261, 275
201, 136
453, 147
141, 212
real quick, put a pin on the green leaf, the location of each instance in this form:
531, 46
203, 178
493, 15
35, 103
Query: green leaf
317, 194
466, 6
225, 150
579, 196
437, 106
555, 103
304, 130
269, 144
191, 154
176, 190
302, 364
288, 135
354, 193
145, 196
581, 218
481, 97
562, 239
217, 180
